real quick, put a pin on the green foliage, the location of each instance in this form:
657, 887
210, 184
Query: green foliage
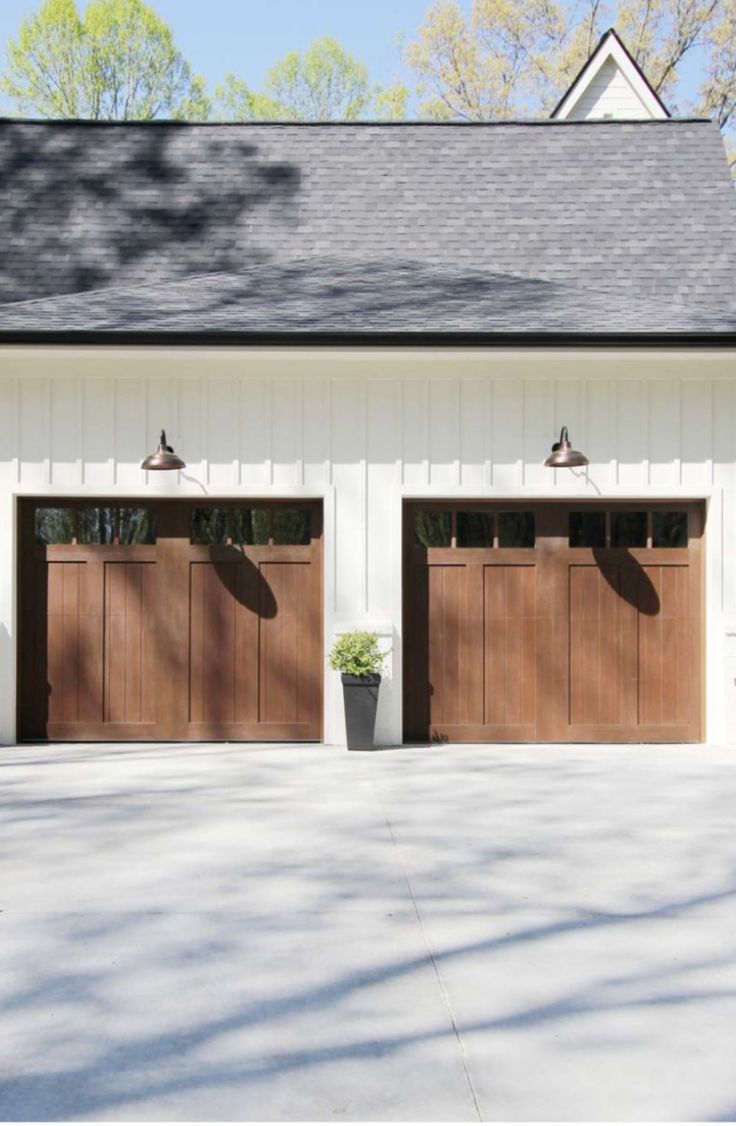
357, 654
322, 83
118, 61
235, 101
718, 92
391, 102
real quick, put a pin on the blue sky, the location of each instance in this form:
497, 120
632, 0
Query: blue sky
246, 36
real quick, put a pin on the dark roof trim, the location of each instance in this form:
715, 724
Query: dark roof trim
367, 340
165, 123
611, 33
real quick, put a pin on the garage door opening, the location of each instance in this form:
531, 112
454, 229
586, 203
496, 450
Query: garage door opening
191, 620
553, 622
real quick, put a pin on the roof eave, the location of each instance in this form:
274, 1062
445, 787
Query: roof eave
112, 339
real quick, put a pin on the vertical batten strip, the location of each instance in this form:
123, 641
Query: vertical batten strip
49, 433
269, 429
457, 384
205, 400
300, 433
613, 414
647, 460
114, 435
520, 461
364, 493
238, 408
80, 425
709, 461
427, 460
16, 410
680, 436
488, 462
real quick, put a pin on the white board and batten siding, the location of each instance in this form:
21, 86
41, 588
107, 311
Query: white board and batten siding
610, 95
364, 429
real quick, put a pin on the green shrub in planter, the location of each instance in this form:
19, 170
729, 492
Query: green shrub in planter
358, 657
357, 654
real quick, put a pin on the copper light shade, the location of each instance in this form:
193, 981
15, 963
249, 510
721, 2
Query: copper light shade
164, 457
563, 456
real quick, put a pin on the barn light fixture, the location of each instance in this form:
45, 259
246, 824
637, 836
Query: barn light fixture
164, 458
563, 456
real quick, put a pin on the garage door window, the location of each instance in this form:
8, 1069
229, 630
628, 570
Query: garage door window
587, 529
433, 529
468, 529
669, 529
628, 529
55, 525
251, 526
516, 529
95, 525
475, 529
625, 528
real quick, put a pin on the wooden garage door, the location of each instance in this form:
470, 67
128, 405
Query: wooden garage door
174, 621
553, 622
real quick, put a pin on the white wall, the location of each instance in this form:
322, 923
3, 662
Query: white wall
364, 428
609, 94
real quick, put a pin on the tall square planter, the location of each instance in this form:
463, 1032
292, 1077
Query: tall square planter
360, 694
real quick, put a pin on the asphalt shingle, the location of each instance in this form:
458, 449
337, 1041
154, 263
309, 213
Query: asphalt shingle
616, 227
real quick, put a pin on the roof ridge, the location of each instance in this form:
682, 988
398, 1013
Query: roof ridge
160, 123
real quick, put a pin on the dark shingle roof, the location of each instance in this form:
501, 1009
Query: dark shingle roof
600, 227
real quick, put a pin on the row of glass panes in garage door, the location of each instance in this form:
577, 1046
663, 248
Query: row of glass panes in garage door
211, 525
635, 528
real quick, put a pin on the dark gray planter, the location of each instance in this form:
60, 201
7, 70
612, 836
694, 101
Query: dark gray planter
361, 700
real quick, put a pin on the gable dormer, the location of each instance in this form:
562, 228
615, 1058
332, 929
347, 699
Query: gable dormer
610, 85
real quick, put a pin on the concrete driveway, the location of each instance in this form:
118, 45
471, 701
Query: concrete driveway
242, 932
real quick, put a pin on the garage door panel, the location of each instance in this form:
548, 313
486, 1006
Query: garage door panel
288, 679
214, 611
475, 657
471, 687
454, 662
73, 637
444, 656
665, 647
510, 645
602, 642
130, 660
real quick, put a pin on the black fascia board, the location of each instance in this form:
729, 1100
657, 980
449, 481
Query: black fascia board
112, 339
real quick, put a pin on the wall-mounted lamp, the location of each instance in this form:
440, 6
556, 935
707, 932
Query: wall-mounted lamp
164, 458
563, 456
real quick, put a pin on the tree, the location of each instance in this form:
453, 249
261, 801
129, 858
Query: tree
718, 91
498, 62
322, 83
508, 59
118, 61
659, 33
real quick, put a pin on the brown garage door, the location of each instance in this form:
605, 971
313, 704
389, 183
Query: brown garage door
173, 621
554, 622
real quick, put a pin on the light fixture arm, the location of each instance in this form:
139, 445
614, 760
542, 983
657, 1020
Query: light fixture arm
164, 458
563, 456
564, 437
